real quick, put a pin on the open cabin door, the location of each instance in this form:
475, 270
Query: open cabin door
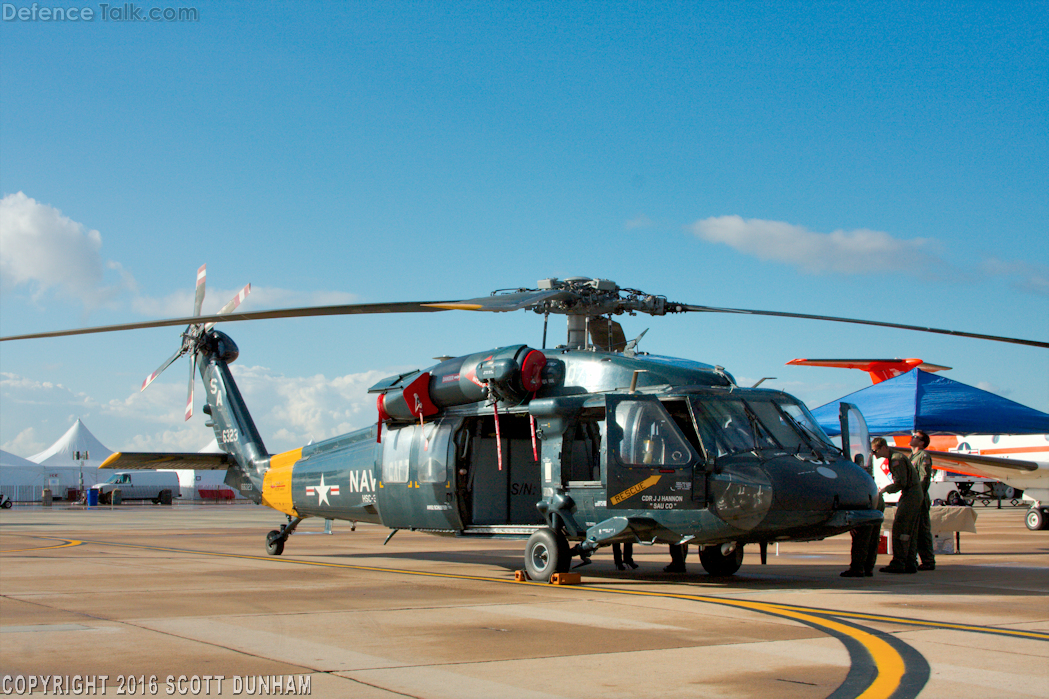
855, 439
649, 463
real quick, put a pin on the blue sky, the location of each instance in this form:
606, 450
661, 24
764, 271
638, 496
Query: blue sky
871, 161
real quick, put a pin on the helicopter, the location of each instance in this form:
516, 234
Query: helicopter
571, 448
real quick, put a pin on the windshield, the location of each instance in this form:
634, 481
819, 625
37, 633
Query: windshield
731, 426
735, 426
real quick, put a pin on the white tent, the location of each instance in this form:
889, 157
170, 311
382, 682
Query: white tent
76, 454
22, 480
77, 440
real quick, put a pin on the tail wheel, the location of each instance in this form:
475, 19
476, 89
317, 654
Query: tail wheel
547, 553
721, 564
1036, 519
274, 543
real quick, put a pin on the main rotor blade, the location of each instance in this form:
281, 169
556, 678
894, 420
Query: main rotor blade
514, 301
198, 300
880, 324
348, 309
152, 377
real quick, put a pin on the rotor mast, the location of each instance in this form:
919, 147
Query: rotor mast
589, 305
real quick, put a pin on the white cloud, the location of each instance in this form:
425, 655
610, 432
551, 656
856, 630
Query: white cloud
640, 221
25, 442
291, 411
19, 390
993, 388
859, 251
44, 250
1023, 276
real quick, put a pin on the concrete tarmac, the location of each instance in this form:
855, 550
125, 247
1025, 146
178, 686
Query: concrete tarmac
186, 595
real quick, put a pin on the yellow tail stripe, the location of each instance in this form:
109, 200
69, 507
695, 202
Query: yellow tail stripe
276, 484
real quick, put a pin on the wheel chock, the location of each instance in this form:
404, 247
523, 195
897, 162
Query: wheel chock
566, 579
521, 576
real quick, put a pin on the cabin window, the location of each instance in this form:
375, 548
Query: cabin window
649, 437
433, 466
397, 454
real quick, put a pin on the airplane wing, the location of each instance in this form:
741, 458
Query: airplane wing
134, 460
982, 466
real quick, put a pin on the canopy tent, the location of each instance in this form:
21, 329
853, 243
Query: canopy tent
919, 400
23, 480
77, 439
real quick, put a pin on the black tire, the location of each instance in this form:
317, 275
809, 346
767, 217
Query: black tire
545, 554
1035, 519
274, 543
7, 505
954, 499
719, 565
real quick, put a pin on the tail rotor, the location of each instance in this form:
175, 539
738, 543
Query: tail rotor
194, 335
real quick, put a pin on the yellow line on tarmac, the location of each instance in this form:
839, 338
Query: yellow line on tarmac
889, 664
69, 542
1039, 635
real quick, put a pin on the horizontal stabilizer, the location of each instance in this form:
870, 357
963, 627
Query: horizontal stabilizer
136, 460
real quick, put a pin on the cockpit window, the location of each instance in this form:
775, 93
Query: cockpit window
649, 437
732, 425
801, 415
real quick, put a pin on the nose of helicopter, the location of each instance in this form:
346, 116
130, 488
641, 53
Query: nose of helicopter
789, 492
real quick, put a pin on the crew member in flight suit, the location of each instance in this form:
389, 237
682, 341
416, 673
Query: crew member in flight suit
905, 524
923, 465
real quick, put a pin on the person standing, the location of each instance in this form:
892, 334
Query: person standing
905, 523
624, 555
922, 463
865, 539
678, 554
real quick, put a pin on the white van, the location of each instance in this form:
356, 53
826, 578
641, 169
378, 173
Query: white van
159, 486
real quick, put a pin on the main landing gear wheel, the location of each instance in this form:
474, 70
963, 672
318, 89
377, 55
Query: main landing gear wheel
545, 554
1036, 519
274, 543
954, 499
718, 564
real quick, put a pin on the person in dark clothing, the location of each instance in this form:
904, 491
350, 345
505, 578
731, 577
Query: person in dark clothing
905, 523
623, 556
865, 539
678, 554
922, 463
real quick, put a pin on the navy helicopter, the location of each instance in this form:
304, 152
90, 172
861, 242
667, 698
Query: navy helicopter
572, 448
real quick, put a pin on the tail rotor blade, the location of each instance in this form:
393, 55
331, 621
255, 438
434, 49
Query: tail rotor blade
232, 305
192, 383
198, 301
152, 377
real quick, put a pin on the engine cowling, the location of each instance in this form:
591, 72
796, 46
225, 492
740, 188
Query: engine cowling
513, 373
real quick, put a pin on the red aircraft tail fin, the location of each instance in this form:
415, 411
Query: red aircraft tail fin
879, 369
